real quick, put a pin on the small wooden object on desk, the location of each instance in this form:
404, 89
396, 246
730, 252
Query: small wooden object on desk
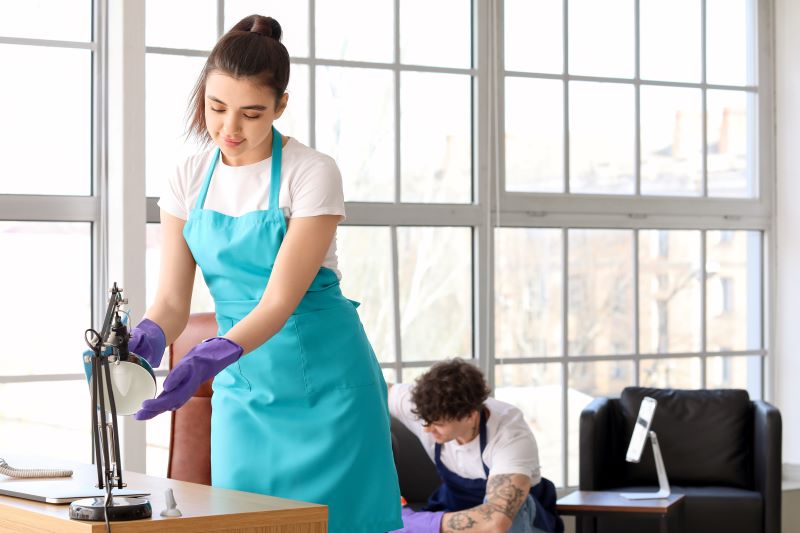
588, 503
204, 508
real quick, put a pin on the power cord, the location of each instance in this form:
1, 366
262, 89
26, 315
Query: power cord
10, 471
105, 511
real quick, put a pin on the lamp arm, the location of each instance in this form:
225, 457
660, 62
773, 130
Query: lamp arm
114, 430
113, 302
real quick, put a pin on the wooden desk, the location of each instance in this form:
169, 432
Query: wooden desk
587, 503
204, 508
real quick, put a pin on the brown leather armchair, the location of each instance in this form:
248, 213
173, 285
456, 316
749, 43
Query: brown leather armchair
190, 431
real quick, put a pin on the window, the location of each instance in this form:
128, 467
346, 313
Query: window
49, 222
392, 101
539, 186
639, 161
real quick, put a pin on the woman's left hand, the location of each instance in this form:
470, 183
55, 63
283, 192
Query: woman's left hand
202, 363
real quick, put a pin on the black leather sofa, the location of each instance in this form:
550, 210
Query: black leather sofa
415, 470
720, 449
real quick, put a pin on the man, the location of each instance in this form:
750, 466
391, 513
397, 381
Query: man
484, 452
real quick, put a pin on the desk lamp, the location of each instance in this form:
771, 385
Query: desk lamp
119, 381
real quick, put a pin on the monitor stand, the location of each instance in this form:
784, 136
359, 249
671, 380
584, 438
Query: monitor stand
663, 484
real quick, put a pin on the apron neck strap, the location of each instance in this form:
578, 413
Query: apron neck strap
483, 438
201, 198
275, 177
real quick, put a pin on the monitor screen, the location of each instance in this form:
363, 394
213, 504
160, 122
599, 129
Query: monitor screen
641, 429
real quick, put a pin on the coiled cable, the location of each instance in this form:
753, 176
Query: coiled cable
10, 471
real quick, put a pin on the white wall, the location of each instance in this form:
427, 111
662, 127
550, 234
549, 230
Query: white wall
787, 224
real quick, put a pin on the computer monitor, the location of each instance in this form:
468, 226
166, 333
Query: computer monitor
641, 429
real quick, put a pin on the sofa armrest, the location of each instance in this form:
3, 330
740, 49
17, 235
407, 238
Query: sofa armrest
767, 459
595, 425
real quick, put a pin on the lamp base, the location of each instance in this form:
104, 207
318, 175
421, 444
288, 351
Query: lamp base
122, 508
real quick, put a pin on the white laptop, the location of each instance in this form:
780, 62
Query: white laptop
58, 490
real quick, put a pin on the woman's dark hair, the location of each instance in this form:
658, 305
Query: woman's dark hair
251, 49
450, 390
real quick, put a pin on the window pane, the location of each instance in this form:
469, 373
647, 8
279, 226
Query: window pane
436, 154
672, 141
530, 28
355, 126
410, 374
735, 373
733, 290
166, 106
528, 292
600, 289
358, 30
389, 375
202, 302
158, 432
601, 38
435, 275
731, 144
588, 381
730, 41
436, 33
534, 136
683, 373
32, 425
669, 291
536, 391
188, 24
49, 276
295, 122
292, 16
601, 128
31, 125
62, 20
660, 23
365, 261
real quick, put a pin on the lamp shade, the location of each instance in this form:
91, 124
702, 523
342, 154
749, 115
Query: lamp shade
132, 382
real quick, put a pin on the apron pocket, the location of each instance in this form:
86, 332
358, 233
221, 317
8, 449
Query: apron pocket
275, 369
336, 351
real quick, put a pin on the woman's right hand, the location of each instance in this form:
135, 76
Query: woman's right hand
148, 341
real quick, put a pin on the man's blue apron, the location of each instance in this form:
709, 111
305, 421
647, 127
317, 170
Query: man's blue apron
304, 416
457, 493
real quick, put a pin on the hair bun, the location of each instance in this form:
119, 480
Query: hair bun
266, 26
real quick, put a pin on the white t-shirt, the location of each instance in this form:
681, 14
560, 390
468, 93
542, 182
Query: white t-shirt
311, 185
510, 444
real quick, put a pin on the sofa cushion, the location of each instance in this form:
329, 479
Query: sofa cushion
705, 436
416, 472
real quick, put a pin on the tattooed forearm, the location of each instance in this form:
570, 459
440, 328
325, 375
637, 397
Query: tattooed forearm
505, 495
459, 521
486, 511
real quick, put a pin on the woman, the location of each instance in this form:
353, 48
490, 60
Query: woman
299, 407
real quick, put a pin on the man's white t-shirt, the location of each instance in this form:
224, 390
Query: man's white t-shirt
311, 185
510, 444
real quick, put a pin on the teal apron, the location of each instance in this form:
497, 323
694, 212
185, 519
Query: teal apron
305, 415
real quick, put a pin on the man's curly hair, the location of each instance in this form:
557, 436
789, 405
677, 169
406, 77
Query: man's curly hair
450, 390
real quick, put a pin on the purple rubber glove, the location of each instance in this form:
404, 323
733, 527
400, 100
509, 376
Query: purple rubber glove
420, 522
202, 363
148, 341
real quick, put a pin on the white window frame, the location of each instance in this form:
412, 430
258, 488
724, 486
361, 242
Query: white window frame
493, 206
